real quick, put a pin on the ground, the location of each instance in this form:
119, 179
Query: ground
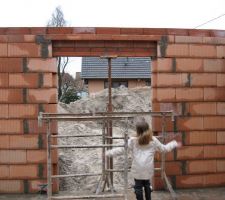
189, 194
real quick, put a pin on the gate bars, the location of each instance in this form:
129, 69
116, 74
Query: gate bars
105, 178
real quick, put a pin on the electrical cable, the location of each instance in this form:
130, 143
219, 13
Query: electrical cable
210, 20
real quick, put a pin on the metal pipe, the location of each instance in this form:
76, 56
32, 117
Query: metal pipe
126, 162
85, 146
49, 161
158, 113
63, 136
89, 196
75, 175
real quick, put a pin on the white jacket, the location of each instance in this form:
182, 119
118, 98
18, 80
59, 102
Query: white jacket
143, 156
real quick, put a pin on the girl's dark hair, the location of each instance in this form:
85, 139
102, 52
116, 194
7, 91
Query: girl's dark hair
144, 133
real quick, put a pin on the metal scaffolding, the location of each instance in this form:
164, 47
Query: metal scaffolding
107, 170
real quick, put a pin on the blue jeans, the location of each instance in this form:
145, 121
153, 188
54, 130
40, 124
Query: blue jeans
138, 187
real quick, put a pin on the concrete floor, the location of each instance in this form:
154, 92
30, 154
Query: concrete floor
190, 194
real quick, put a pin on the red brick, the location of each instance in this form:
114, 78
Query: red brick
169, 156
220, 51
23, 111
40, 156
3, 38
221, 108
4, 80
214, 123
17, 31
189, 65
24, 50
21, 80
108, 31
189, 94
42, 65
203, 79
200, 137
190, 152
175, 107
217, 33
34, 128
172, 168
3, 49
220, 165
47, 80
54, 80
42, 95
189, 123
158, 183
23, 171
157, 124
59, 30
207, 51
13, 157
188, 39
214, 94
189, 181
38, 30
202, 108
16, 38
34, 185
11, 96
214, 65
4, 171
11, 186
11, 65
24, 141
131, 31
163, 94
162, 65
174, 31
201, 166
84, 30
203, 33
155, 31
214, 151
220, 80
169, 80
220, 137
4, 141
213, 40
4, 111
50, 108
177, 50
11, 126
214, 180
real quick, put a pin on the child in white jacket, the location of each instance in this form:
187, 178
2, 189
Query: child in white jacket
143, 148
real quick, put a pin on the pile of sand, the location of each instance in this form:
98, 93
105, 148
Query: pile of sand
79, 161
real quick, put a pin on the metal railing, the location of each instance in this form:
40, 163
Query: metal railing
106, 172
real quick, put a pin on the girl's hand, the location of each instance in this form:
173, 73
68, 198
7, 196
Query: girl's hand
179, 144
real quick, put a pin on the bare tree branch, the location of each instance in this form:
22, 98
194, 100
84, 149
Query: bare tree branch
58, 20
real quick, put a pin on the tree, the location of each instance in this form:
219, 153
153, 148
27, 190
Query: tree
58, 20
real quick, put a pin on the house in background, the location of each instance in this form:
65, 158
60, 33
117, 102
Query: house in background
130, 72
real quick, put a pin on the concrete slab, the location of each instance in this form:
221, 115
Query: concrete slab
189, 194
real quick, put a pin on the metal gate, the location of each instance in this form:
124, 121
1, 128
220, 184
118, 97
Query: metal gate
106, 171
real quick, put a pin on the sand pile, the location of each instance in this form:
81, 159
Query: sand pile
79, 161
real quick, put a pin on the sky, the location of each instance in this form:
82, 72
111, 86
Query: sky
114, 13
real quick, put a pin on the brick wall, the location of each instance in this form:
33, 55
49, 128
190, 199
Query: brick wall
27, 86
189, 78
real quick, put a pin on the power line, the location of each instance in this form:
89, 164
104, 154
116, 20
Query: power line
210, 20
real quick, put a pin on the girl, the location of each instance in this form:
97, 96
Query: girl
143, 148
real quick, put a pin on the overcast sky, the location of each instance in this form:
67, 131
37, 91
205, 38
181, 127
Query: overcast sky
115, 13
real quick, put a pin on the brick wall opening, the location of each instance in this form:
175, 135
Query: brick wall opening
188, 76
